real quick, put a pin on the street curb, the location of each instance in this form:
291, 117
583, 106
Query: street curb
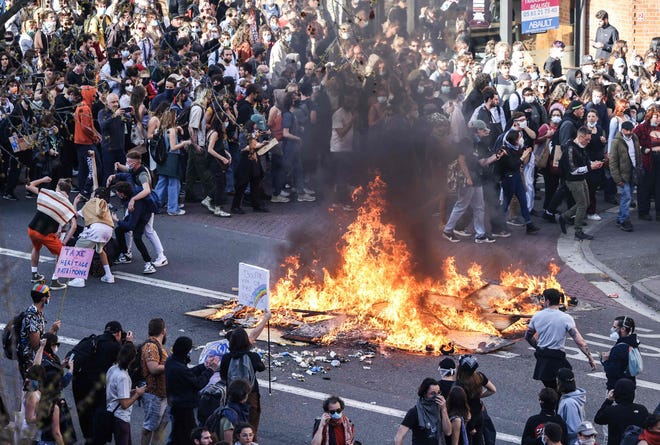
638, 290
641, 291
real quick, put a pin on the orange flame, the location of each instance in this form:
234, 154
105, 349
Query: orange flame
375, 287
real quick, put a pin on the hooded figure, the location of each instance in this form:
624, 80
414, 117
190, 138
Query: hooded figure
625, 413
571, 403
575, 81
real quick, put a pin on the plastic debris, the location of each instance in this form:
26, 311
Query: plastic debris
299, 377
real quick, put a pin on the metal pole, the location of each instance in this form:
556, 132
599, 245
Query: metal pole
270, 389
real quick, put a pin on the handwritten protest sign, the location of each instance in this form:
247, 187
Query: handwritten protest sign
253, 286
74, 262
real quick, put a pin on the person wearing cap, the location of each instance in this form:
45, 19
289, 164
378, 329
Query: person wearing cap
183, 385
619, 411
33, 328
88, 382
586, 433
625, 165
428, 419
533, 431
447, 371
571, 402
469, 188
606, 35
587, 65
546, 333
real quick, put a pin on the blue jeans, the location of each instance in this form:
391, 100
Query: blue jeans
169, 187
293, 162
512, 184
624, 204
469, 196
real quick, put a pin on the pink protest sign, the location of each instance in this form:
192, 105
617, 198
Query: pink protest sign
74, 262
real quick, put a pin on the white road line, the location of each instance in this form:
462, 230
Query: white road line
304, 392
655, 351
24, 255
642, 383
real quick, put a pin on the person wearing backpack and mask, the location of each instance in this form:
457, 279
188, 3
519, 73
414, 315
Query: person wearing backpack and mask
615, 362
241, 363
622, 414
183, 385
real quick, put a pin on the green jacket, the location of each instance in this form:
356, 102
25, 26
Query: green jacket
620, 163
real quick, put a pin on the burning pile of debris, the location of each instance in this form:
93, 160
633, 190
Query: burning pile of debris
374, 295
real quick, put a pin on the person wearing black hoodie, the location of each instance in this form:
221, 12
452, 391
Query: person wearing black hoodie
615, 362
624, 413
183, 385
533, 432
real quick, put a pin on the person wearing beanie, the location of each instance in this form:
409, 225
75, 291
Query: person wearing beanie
618, 416
183, 385
571, 403
533, 432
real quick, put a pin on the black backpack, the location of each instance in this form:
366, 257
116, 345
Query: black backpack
211, 398
11, 336
84, 355
135, 368
157, 147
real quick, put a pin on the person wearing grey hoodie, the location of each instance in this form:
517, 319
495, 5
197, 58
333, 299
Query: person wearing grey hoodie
571, 403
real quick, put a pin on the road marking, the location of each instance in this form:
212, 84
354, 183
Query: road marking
185, 288
504, 354
304, 392
655, 353
642, 383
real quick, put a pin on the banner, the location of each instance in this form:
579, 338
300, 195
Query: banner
74, 262
253, 286
539, 15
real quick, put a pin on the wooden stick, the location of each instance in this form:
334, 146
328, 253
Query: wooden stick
270, 389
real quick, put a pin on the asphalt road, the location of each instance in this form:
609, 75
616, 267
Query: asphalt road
204, 252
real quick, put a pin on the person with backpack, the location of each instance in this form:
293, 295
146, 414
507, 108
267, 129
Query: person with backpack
224, 419
151, 359
92, 358
616, 361
620, 415
241, 363
30, 326
183, 385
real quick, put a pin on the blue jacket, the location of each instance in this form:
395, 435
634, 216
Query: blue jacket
616, 366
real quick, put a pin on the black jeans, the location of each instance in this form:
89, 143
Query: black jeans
138, 232
183, 422
219, 176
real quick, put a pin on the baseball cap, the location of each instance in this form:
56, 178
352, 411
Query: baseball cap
575, 105
41, 288
565, 375
586, 429
479, 125
260, 122
113, 327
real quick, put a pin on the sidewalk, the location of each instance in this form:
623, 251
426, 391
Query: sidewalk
628, 258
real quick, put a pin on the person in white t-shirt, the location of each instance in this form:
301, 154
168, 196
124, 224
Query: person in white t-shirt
341, 147
119, 395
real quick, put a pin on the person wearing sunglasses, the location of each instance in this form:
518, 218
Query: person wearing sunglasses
333, 426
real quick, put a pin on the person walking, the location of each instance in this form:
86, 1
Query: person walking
625, 163
333, 426
547, 335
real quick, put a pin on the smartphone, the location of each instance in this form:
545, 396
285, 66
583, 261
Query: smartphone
14, 143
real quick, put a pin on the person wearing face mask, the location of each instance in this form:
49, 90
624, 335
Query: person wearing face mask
619, 411
615, 362
333, 427
56, 377
596, 150
625, 166
533, 431
428, 419
183, 385
586, 433
575, 81
553, 64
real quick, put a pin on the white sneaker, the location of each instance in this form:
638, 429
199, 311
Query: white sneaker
77, 282
306, 198
160, 262
594, 217
308, 191
279, 198
206, 202
108, 279
221, 213
149, 268
284, 194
